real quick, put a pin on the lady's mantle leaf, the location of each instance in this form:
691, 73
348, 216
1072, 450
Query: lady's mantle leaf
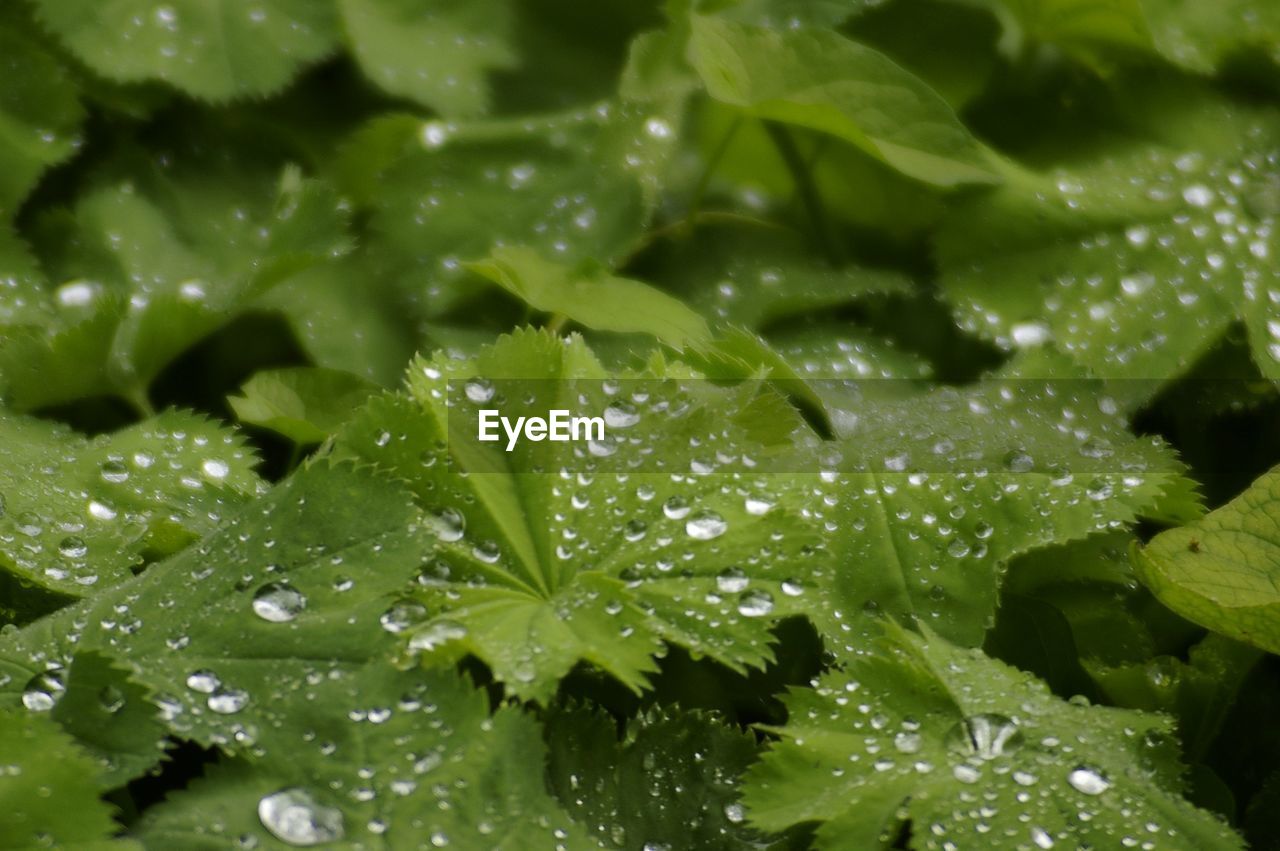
594, 298
821, 80
48, 790
923, 504
304, 404
974, 754
1201, 36
559, 553
290, 590
435, 53
77, 515
213, 49
646, 790
40, 114
1134, 264
148, 266
1222, 570
398, 760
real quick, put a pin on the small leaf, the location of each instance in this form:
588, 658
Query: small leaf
78, 515
304, 404
645, 789
437, 54
1134, 264
593, 298
823, 81
1220, 571
972, 753
212, 49
40, 113
408, 760
48, 790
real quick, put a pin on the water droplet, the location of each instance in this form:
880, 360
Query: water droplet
1028, 334
278, 602
676, 508
203, 681
43, 691
731, 580
402, 616
1198, 195
734, 813
294, 816
115, 472
73, 547
1018, 461
755, 603
479, 390
985, 736
228, 701
448, 524
1089, 780
101, 511
216, 469
621, 414
705, 525
436, 634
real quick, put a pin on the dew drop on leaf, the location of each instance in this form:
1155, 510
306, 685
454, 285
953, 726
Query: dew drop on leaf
43, 691
278, 602
986, 736
705, 525
1089, 780
294, 816
228, 701
755, 603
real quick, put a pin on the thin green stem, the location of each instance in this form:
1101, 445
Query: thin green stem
805, 187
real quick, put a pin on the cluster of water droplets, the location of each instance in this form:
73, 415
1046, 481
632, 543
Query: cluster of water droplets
1157, 290
84, 507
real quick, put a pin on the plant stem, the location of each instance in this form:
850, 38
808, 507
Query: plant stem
805, 187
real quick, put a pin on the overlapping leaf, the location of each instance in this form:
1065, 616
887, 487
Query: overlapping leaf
48, 797
970, 752
216, 50
550, 555
1222, 570
146, 267
1136, 263
374, 756
923, 505
79, 515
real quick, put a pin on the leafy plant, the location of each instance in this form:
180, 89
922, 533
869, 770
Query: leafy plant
933, 347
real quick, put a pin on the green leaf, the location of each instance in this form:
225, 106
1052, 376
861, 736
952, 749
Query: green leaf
1096, 33
304, 404
1220, 571
752, 274
292, 588
971, 753
1198, 692
48, 794
529, 580
437, 54
822, 81
1134, 264
405, 760
593, 298
40, 114
211, 49
1203, 37
644, 789
145, 272
80, 515
921, 492
571, 186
